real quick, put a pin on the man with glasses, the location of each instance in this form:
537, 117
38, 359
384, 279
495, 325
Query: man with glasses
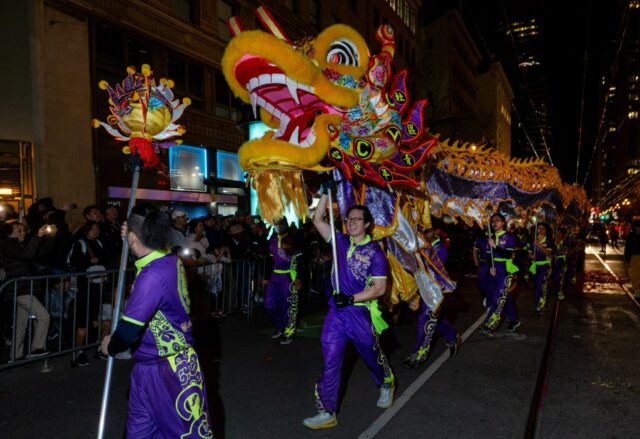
353, 312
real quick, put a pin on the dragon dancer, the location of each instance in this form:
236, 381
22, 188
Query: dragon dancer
540, 252
559, 263
428, 321
353, 313
167, 396
281, 294
501, 282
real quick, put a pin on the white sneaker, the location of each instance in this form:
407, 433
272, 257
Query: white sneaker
386, 397
321, 420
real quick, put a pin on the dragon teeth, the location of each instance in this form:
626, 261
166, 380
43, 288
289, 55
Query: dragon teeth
254, 104
284, 122
310, 140
278, 78
293, 89
295, 136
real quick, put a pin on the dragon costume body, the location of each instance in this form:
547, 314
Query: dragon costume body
336, 108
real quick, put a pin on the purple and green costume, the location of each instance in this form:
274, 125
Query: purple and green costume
428, 322
281, 297
358, 265
541, 269
499, 299
167, 397
559, 267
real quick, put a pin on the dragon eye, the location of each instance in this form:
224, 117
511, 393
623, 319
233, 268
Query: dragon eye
343, 52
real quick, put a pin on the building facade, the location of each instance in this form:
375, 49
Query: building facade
617, 164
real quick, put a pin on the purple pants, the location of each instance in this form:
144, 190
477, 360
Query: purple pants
541, 285
483, 280
352, 323
499, 299
281, 303
168, 401
428, 323
557, 275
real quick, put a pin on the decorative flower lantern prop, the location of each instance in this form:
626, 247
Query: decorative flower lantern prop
143, 114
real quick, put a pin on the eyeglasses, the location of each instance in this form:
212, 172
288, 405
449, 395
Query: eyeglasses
354, 219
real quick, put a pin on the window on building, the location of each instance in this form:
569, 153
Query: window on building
633, 115
139, 53
224, 13
110, 48
188, 78
186, 10
225, 105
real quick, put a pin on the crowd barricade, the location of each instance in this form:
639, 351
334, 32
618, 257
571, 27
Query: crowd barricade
218, 290
320, 277
224, 288
59, 294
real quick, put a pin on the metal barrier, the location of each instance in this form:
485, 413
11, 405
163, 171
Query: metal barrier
320, 277
58, 308
59, 304
229, 288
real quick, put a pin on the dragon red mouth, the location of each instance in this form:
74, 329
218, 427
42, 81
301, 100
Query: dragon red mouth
294, 104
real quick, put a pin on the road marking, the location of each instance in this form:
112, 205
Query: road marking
624, 287
388, 414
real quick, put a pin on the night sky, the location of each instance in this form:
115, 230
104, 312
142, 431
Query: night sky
565, 32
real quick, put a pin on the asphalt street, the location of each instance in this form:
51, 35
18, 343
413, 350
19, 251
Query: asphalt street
258, 388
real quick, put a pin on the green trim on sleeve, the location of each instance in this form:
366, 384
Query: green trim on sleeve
131, 320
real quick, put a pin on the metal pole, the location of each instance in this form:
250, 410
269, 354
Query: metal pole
333, 242
491, 212
124, 256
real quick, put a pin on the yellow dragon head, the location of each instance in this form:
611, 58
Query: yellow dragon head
330, 104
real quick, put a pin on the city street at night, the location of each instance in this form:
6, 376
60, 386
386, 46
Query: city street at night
289, 219
260, 389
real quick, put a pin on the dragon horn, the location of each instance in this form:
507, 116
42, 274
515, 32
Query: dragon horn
267, 20
235, 26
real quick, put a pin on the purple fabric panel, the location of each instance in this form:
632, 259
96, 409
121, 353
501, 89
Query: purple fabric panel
344, 193
382, 205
